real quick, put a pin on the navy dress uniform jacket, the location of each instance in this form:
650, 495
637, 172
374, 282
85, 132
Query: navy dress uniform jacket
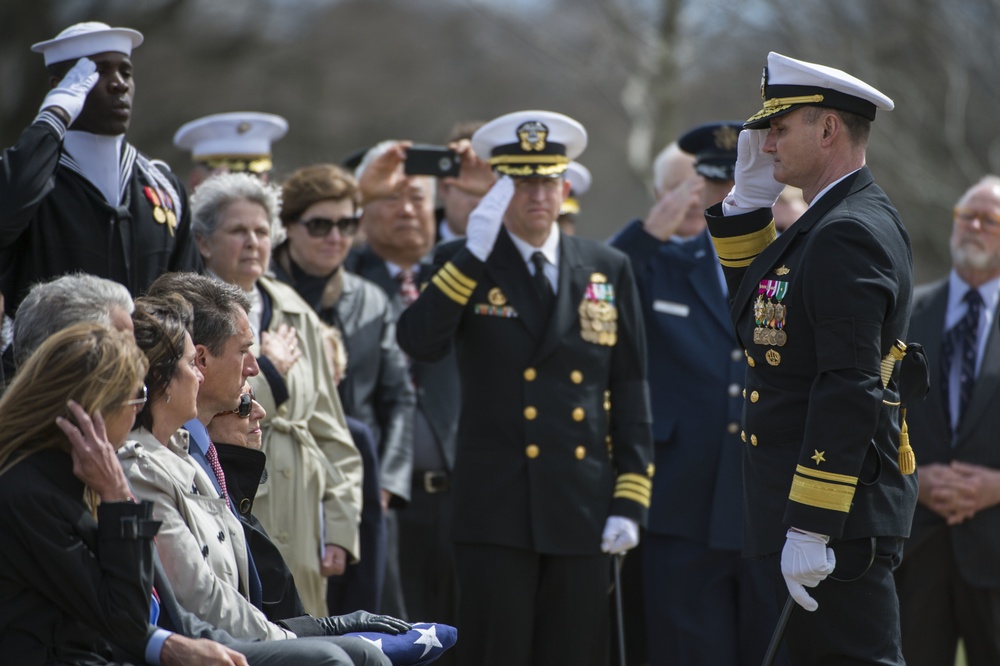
821, 449
975, 542
533, 468
696, 373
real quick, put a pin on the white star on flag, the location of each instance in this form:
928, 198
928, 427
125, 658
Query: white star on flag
377, 643
428, 638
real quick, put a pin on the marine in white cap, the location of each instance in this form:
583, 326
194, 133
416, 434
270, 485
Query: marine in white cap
818, 312
550, 478
236, 142
74, 194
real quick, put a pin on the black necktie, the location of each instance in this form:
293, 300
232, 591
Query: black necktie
964, 339
542, 284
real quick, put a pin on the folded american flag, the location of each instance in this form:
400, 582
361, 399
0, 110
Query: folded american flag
422, 644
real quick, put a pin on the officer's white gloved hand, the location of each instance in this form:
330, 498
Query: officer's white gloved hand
71, 92
620, 534
485, 220
805, 561
755, 184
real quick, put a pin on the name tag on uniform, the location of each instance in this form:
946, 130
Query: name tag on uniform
671, 308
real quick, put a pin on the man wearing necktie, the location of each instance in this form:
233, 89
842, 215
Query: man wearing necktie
553, 469
950, 561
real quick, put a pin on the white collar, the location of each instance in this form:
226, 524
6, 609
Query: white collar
98, 158
549, 249
827, 188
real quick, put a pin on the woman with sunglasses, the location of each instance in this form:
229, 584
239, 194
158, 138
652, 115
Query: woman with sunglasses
76, 553
312, 504
320, 217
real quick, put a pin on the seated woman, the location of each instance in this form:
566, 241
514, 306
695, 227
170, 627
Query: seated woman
313, 502
74, 572
201, 542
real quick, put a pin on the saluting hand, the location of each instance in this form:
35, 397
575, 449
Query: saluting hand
71, 92
669, 213
755, 184
486, 219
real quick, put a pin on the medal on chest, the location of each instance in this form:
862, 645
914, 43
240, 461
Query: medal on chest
598, 312
163, 207
769, 313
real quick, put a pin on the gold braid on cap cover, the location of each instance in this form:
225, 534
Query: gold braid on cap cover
788, 101
907, 458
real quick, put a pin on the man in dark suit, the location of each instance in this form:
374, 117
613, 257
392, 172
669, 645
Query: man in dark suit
704, 603
953, 551
400, 229
553, 466
818, 311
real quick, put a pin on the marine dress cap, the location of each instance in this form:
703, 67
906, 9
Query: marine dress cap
530, 144
714, 148
579, 179
788, 84
87, 39
240, 140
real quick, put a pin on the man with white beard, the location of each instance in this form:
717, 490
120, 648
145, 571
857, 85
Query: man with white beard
951, 555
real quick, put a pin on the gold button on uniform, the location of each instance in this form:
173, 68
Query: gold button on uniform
733, 428
531, 450
530, 413
750, 361
579, 414
744, 393
580, 453
743, 435
530, 374
753, 439
754, 397
576, 377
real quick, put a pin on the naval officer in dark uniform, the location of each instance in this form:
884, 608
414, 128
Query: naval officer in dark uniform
829, 497
553, 468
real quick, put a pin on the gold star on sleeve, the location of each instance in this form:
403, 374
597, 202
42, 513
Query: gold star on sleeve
818, 456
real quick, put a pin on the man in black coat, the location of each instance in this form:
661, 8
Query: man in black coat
553, 462
953, 551
817, 311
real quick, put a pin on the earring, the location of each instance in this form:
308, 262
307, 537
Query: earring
168, 398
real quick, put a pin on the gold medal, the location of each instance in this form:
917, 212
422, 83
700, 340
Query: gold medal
772, 357
496, 297
159, 215
772, 337
781, 338
769, 312
612, 339
597, 324
171, 221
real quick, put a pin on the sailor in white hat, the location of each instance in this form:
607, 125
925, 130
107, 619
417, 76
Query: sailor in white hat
84, 198
828, 480
237, 142
579, 179
540, 498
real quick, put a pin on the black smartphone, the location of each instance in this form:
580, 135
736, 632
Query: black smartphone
435, 161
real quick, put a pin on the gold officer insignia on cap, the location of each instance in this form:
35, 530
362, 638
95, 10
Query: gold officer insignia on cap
818, 456
496, 297
532, 135
782, 270
726, 138
243, 128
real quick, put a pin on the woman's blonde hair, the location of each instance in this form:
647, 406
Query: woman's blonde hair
90, 363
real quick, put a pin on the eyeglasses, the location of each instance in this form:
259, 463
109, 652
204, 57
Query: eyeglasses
988, 221
319, 227
246, 404
139, 400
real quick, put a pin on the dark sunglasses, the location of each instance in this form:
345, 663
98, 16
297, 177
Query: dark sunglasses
246, 404
319, 227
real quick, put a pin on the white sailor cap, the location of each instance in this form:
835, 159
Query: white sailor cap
530, 144
788, 83
239, 141
579, 179
87, 39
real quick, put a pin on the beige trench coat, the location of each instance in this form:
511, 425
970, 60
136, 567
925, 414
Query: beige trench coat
312, 495
201, 542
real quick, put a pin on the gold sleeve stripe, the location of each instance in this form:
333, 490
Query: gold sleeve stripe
820, 494
637, 479
737, 251
635, 497
459, 276
454, 285
446, 289
826, 476
633, 488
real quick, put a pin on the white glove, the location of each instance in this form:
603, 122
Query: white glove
71, 92
620, 534
805, 561
485, 220
755, 184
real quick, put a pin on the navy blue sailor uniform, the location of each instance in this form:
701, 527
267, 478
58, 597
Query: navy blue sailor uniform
816, 311
554, 434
